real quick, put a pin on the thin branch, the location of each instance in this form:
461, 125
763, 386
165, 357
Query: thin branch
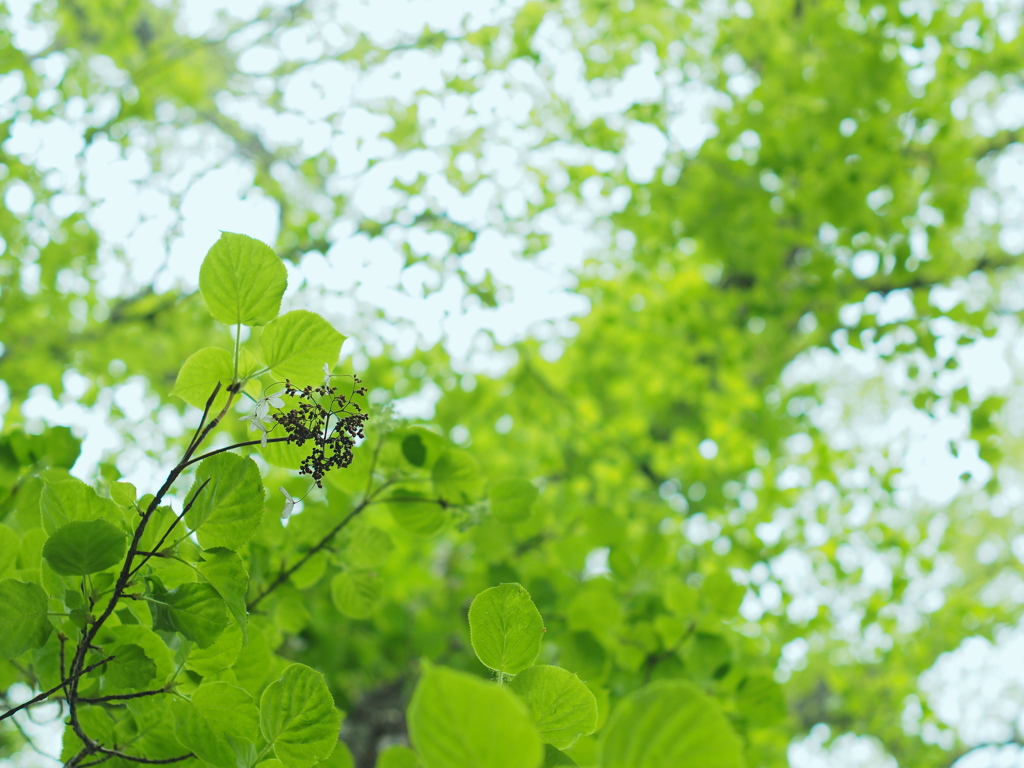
46, 694
123, 696
145, 760
171, 527
214, 452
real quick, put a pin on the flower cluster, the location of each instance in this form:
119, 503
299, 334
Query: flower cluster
332, 421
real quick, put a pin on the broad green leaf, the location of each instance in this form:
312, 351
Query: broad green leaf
225, 572
130, 669
219, 656
242, 281
397, 757
123, 494
563, 708
298, 344
669, 722
23, 621
197, 611
370, 547
457, 477
512, 500
85, 546
355, 593
195, 733
66, 499
505, 628
228, 510
554, 758
458, 720
708, 656
415, 513
415, 452
204, 369
228, 709
298, 718
114, 639
10, 543
341, 757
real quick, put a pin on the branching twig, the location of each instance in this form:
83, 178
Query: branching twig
46, 694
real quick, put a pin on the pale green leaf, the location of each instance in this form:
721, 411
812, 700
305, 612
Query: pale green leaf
458, 720
563, 708
505, 628
457, 477
298, 344
370, 547
197, 611
66, 499
23, 621
218, 656
228, 510
415, 513
670, 722
298, 718
228, 709
204, 369
226, 573
242, 281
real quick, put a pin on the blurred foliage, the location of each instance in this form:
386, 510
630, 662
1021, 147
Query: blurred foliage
698, 442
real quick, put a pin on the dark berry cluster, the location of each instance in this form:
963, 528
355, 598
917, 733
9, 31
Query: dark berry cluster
331, 420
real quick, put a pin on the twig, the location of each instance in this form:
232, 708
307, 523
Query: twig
122, 696
171, 527
47, 694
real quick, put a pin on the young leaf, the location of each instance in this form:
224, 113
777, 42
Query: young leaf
242, 281
296, 345
197, 611
225, 572
563, 708
194, 732
457, 720
130, 669
10, 544
505, 628
84, 546
397, 757
228, 510
355, 593
670, 722
457, 477
114, 639
298, 718
228, 709
23, 621
219, 656
512, 500
554, 758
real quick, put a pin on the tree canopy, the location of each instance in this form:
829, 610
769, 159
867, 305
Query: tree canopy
511, 384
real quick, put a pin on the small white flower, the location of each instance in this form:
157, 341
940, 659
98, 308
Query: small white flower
327, 374
255, 425
289, 504
274, 401
262, 409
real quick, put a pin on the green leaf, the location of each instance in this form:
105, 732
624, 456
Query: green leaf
114, 639
195, 733
130, 668
563, 708
397, 757
228, 709
197, 611
554, 758
457, 720
415, 513
355, 593
242, 281
341, 757
23, 621
66, 499
505, 628
204, 369
370, 547
10, 544
414, 450
297, 344
219, 656
85, 546
228, 510
298, 718
457, 477
123, 494
512, 500
669, 722
225, 572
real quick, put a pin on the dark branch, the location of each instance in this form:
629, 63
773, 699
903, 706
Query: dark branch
46, 694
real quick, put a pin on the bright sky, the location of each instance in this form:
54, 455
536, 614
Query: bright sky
164, 220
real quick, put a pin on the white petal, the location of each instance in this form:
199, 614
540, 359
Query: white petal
275, 401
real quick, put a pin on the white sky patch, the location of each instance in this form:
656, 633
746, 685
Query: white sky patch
847, 750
